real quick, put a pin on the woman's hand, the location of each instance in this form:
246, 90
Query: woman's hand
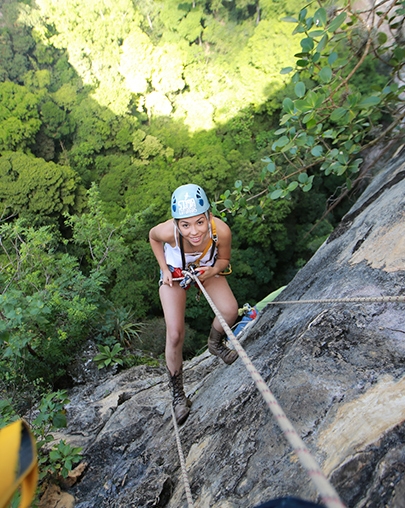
167, 277
206, 272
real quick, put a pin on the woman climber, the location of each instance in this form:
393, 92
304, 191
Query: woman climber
193, 237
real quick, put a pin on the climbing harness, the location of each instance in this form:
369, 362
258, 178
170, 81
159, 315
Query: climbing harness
328, 494
182, 462
187, 279
18, 467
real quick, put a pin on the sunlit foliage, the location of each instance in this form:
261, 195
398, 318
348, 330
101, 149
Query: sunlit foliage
128, 100
176, 59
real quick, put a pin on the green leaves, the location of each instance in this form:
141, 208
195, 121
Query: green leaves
105, 247
280, 143
63, 457
327, 119
369, 102
237, 201
276, 194
283, 190
300, 89
337, 114
60, 459
49, 305
307, 45
325, 74
332, 58
108, 357
337, 22
288, 105
305, 181
51, 412
317, 150
322, 43
320, 17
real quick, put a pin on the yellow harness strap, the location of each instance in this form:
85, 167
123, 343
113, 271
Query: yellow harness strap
18, 464
209, 244
228, 269
214, 231
214, 238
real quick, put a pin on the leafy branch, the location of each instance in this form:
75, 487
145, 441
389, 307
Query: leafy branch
329, 119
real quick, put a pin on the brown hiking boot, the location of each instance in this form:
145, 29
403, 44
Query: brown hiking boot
217, 347
181, 403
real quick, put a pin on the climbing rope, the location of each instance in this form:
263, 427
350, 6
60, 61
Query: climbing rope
182, 462
327, 492
344, 300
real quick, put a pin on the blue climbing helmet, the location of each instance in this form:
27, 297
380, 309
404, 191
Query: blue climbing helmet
189, 200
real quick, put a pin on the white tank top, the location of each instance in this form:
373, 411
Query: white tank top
173, 255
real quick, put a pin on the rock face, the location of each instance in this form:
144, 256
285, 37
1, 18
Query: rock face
336, 369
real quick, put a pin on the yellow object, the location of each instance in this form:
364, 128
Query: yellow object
18, 464
227, 271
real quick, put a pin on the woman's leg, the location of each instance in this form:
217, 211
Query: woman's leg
173, 301
223, 298
174, 304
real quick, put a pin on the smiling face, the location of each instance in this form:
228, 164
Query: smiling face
194, 229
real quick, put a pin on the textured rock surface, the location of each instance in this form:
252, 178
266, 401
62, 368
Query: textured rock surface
337, 370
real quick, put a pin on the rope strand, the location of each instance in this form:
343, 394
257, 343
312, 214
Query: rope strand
182, 462
327, 492
394, 299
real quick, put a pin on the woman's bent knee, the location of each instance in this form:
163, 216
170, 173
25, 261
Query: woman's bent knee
231, 313
175, 340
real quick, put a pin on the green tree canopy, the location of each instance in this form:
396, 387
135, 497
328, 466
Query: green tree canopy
19, 117
38, 190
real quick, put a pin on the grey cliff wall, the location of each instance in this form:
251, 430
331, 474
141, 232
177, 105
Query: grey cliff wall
336, 369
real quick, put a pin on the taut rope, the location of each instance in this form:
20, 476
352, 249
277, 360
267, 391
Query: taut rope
182, 462
327, 492
343, 300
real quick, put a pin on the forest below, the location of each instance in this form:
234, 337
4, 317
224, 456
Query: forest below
106, 107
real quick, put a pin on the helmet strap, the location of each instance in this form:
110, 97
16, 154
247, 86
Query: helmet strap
176, 223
